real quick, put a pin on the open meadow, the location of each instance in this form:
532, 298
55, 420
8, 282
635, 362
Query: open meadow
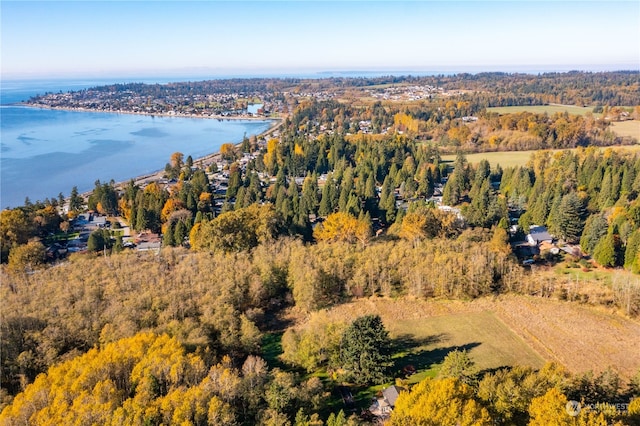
541, 109
506, 330
521, 158
630, 128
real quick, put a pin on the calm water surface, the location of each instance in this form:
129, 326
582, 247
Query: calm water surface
45, 152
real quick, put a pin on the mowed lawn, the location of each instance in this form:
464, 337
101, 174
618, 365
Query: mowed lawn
491, 344
541, 109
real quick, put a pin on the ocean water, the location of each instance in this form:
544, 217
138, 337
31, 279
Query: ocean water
44, 152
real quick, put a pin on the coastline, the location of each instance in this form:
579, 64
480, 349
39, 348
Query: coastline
149, 114
259, 127
206, 159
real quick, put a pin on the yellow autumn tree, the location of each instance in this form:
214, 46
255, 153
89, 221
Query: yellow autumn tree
228, 151
343, 227
550, 409
445, 402
142, 379
270, 158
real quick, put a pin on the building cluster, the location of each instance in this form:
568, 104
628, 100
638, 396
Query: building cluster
406, 93
217, 105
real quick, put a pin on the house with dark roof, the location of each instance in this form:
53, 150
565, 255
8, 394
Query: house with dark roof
383, 406
538, 234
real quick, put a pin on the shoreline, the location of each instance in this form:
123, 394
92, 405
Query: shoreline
158, 174
148, 114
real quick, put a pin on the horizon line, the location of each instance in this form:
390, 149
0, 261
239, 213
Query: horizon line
217, 73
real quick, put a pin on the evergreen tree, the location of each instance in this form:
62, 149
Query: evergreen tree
180, 233
235, 181
594, 229
631, 251
167, 237
309, 202
426, 186
99, 240
240, 196
605, 195
366, 350
75, 200
326, 202
553, 220
607, 251
458, 182
571, 217
141, 219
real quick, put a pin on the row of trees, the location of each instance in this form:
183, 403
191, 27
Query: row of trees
220, 298
153, 379
588, 196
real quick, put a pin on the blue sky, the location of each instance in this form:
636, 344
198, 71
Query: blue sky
87, 38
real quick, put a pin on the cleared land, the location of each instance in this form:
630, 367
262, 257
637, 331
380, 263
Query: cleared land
507, 330
520, 158
504, 158
541, 109
629, 128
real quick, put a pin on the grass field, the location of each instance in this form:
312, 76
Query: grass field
488, 340
629, 128
502, 331
519, 158
540, 109
504, 158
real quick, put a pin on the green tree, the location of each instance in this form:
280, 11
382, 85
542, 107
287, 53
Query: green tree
571, 217
366, 350
180, 233
75, 200
594, 229
607, 251
309, 201
458, 183
328, 201
459, 365
99, 240
632, 249
167, 237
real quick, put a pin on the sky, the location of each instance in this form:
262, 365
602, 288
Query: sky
119, 38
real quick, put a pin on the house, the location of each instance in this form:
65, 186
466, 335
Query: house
384, 405
148, 241
149, 246
391, 394
538, 234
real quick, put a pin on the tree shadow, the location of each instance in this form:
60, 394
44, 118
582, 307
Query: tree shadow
408, 341
424, 359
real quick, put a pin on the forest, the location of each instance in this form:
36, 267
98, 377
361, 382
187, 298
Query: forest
351, 201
